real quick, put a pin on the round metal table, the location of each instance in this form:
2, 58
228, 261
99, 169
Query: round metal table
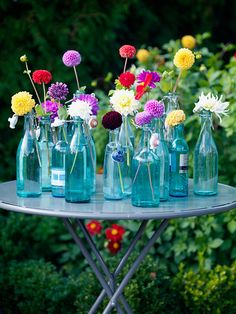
73, 216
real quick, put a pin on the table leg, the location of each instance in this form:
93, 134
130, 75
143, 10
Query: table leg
111, 278
92, 264
135, 265
121, 264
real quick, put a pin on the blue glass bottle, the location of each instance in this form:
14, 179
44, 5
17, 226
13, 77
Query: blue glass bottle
146, 175
58, 163
179, 163
130, 132
92, 157
171, 103
28, 162
77, 184
128, 150
46, 145
205, 159
113, 186
163, 153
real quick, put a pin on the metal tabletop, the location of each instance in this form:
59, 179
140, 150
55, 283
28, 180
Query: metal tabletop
99, 208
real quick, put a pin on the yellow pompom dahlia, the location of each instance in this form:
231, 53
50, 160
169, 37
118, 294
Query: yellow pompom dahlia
188, 41
142, 55
175, 117
22, 103
184, 59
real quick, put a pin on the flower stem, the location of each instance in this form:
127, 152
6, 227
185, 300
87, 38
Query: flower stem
177, 81
121, 180
35, 90
136, 174
73, 165
126, 59
150, 180
76, 77
90, 146
126, 140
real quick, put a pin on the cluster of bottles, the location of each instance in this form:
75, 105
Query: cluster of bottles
63, 161
150, 175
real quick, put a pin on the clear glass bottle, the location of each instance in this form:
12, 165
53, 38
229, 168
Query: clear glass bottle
77, 184
92, 157
28, 162
130, 132
128, 150
163, 153
113, 186
205, 159
58, 163
179, 163
171, 103
146, 175
46, 145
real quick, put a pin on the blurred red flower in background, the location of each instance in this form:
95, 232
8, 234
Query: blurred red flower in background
94, 227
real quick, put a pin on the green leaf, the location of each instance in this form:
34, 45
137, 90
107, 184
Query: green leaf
232, 226
39, 111
215, 243
62, 113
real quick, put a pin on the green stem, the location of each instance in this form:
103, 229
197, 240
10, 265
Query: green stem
136, 174
126, 142
177, 81
48, 154
76, 77
150, 180
121, 179
64, 134
90, 146
35, 90
73, 165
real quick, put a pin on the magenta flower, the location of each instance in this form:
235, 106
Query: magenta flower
52, 108
154, 108
71, 58
142, 118
58, 91
156, 77
91, 100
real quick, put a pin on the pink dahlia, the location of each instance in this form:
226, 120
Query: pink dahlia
142, 118
71, 58
127, 51
154, 108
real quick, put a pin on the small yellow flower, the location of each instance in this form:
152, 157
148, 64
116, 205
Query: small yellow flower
188, 41
23, 58
175, 117
184, 59
22, 103
142, 55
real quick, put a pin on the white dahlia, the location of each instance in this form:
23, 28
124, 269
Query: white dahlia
124, 102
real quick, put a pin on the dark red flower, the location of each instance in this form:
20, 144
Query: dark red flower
112, 120
115, 233
94, 227
127, 79
143, 87
42, 76
127, 51
114, 246
235, 55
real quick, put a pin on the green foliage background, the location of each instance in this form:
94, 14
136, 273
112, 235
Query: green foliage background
38, 251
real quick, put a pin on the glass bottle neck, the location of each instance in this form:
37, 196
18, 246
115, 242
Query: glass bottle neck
45, 128
146, 137
113, 136
171, 101
206, 120
124, 136
28, 122
61, 133
159, 127
179, 131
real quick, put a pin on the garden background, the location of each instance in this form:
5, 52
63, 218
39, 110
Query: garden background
194, 269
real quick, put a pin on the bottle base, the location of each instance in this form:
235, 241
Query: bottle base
28, 194
110, 198
77, 201
205, 193
178, 194
46, 189
145, 204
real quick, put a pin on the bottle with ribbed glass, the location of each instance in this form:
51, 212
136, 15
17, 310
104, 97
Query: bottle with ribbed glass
205, 158
178, 163
171, 103
46, 145
128, 150
146, 175
113, 185
58, 162
78, 179
28, 162
162, 152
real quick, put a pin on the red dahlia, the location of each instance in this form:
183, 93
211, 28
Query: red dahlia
127, 79
127, 51
115, 233
114, 247
94, 227
42, 76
